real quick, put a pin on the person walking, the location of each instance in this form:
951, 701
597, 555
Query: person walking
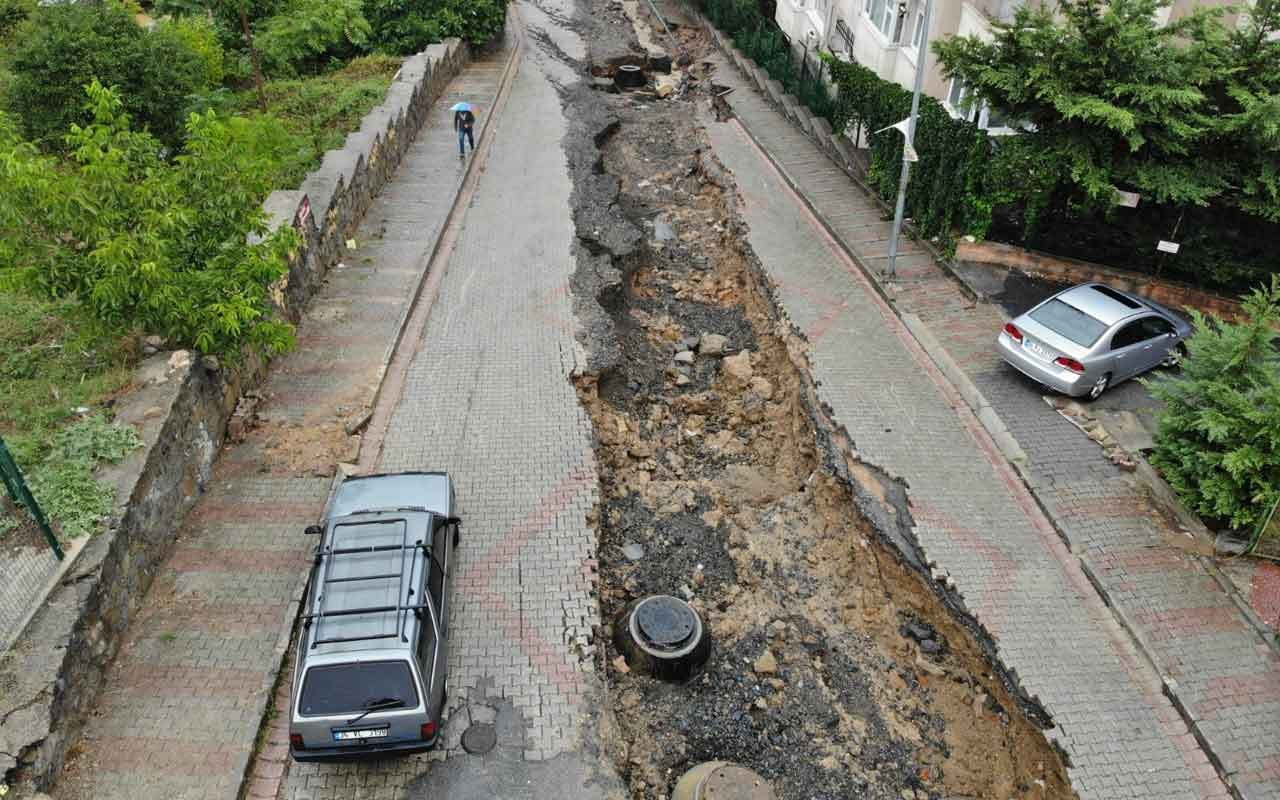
464, 123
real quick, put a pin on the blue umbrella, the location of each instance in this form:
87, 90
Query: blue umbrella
461, 107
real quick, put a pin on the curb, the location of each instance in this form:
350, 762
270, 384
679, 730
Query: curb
277, 735
1012, 451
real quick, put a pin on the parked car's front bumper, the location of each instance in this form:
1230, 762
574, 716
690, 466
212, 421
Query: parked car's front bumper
359, 752
1060, 379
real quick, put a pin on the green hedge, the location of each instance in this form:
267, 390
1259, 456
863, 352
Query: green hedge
968, 183
763, 42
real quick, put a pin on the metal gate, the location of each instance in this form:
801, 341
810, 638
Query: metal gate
21, 495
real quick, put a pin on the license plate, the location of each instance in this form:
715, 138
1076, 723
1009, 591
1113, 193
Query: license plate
1035, 349
372, 733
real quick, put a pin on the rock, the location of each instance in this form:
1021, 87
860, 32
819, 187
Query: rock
181, 359
683, 380
918, 631
620, 664
357, 422
761, 704
766, 664
737, 369
712, 344
684, 357
829, 763
152, 412
713, 518
896, 682
633, 551
662, 229
928, 666
686, 592
930, 646
762, 387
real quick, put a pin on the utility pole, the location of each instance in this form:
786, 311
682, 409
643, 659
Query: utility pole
922, 55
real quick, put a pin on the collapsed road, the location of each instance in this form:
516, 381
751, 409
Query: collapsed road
837, 668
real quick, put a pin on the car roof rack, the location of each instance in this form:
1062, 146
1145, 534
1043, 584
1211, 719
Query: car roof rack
325, 558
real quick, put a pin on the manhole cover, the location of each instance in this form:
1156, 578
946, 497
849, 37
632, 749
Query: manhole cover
479, 739
732, 782
665, 621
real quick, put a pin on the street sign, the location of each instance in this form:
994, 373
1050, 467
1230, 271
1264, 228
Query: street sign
1167, 247
304, 212
1127, 199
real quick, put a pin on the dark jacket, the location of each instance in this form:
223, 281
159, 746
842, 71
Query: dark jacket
463, 120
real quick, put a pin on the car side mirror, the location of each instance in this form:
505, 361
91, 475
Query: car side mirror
313, 530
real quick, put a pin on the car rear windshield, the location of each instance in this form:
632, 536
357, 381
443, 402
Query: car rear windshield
346, 688
1069, 322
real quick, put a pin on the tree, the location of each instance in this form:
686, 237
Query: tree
61, 48
161, 244
1218, 434
407, 26
1185, 113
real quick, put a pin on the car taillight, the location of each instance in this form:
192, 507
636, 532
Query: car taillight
1070, 363
295, 741
428, 730
1013, 331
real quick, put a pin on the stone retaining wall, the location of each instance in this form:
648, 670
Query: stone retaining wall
181, 405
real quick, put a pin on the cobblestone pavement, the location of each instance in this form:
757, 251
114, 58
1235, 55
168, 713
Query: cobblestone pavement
488, 398
974, 517
182, 705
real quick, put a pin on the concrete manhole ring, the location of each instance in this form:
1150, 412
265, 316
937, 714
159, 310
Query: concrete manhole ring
479, 739
663, 636
721, 780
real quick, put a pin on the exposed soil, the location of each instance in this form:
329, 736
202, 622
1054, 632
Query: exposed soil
838, 669
21, 530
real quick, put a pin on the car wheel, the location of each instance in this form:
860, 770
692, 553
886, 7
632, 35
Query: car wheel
1174, 359
1099, 386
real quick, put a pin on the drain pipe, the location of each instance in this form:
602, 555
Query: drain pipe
674, 44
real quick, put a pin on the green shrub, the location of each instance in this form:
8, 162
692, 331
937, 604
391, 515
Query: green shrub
1218, 435
307, 33
63, 482
317, 112
12, 12
199, 35
407, 26
148, 242
61, 48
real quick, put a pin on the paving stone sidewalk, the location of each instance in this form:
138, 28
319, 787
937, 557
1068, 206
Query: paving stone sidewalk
974, 517
180, 711
489, 398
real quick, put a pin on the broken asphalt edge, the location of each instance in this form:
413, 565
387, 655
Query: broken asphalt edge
1008, 446
345, 470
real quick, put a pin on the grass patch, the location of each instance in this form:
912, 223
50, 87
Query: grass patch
319, 111
55, 359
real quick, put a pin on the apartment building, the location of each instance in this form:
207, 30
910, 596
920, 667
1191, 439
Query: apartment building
885, 35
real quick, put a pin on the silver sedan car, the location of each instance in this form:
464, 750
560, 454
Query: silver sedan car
1091, 336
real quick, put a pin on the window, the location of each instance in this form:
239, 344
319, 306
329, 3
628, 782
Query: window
1129, 335
1155, 326
883, 15
917, 33
1069, 322
960, 98
347, 688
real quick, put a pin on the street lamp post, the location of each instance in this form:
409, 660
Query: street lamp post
922, 55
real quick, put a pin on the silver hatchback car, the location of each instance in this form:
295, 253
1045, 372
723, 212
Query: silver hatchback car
1091, 336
